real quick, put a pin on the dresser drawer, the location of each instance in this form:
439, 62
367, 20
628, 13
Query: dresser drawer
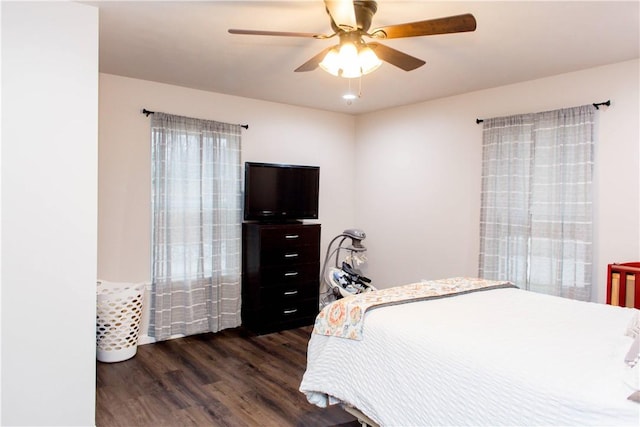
289, 256
289, 237
288, 310
288, 294
287, 275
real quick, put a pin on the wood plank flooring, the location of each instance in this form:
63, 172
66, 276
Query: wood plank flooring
232, 378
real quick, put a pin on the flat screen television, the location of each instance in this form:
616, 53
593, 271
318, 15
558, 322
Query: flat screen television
280, 193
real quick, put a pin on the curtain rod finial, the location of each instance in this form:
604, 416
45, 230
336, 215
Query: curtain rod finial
597, 105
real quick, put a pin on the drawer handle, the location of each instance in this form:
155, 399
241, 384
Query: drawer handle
289, 293
291, 236
291, 255
291, 274
292, 311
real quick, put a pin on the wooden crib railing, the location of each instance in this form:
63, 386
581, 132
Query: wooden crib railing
623, 284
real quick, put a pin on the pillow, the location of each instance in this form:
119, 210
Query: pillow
633, 355
633, 330
632, 367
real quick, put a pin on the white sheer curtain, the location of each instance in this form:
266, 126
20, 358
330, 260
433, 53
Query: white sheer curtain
536, 208
196, 226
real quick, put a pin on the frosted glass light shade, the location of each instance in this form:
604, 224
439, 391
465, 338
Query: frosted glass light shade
368, 60
331, 62
349, 61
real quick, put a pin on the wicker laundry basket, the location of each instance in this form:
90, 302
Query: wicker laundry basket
119, 311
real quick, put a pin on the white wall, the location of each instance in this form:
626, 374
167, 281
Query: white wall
49, 208
419, 170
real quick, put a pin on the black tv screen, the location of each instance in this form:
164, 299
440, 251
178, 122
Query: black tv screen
276, 192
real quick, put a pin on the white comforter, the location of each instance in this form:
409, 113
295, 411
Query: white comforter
499, 357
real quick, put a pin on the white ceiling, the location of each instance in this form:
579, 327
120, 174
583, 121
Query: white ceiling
187, 44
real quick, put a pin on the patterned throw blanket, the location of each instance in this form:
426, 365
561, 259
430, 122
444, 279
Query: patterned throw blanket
345, 317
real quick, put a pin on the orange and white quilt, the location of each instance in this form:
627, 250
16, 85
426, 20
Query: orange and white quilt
345, 317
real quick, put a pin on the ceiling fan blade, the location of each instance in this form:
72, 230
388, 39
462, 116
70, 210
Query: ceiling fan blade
451, 24
342, 13
395, 57
312, 64
277, 33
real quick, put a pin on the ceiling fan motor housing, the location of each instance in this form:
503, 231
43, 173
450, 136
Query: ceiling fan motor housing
364, 11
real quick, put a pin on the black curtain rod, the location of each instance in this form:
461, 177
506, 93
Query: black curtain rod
147, 112
595, 104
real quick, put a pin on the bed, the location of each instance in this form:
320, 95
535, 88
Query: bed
493, 356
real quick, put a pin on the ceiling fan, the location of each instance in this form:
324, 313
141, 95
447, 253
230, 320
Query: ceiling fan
352, 57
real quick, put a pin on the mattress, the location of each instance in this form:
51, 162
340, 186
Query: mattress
499, 357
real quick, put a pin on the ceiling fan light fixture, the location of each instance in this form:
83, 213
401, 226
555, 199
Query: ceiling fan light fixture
350, 61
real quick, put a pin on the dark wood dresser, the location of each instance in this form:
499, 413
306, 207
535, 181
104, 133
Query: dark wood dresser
280, 275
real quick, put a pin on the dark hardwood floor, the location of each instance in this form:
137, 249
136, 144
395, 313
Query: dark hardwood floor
232, 378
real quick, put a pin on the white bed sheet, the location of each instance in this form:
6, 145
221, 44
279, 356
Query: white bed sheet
498, 357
